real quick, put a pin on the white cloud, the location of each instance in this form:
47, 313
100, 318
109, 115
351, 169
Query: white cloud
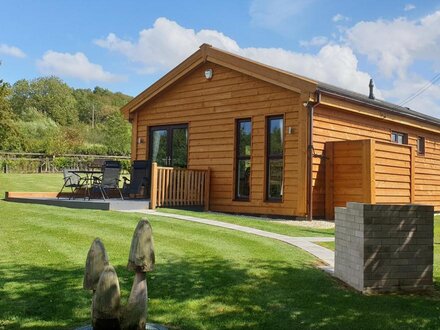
409, 7
11, 51
333, 64
273, 14
339, 18
75, 66
394, 45
167, 43
314, 42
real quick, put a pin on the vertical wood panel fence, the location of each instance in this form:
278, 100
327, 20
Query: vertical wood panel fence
179, 187
368, 171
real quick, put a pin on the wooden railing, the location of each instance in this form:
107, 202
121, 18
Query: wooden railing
179, 187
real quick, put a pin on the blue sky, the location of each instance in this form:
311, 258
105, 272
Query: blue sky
127, 45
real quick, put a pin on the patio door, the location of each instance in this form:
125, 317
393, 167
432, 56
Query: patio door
169, 145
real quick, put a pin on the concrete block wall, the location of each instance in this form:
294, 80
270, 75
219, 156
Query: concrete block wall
385, 247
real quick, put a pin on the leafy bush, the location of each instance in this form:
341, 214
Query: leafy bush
21, 165
64, 162
92, 149
126, 165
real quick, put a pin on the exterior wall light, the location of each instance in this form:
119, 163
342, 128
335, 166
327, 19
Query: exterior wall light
208, 74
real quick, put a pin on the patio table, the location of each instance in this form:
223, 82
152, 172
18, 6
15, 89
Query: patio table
87, 177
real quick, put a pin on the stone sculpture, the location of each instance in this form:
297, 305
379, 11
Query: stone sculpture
101, 278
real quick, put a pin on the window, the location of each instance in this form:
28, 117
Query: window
169, 145
421, 145
243, 159
274, 158
400, 138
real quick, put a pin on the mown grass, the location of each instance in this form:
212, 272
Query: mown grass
328, 245
256, 222
47, 182
205, 277
53, 182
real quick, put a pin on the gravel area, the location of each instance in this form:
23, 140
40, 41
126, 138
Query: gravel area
324, 224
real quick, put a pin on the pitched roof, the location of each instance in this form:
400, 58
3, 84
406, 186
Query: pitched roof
208, 53
379, 104
267, 73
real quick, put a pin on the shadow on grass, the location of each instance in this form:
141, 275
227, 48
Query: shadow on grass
46, 297
276, 296
213, 294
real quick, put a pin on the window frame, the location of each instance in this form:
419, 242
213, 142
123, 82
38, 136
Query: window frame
269, 157
421, 151
404, 137
239, 157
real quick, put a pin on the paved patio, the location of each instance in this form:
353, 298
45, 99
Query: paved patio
112, 204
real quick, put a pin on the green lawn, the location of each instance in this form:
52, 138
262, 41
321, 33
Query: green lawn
30, 182
53, 182
328, 245
205, 277
255, 222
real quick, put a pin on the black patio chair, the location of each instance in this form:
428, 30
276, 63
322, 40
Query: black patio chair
72, 181
108, 180
139, 178
111, 163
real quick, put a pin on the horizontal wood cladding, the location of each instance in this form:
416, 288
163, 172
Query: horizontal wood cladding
392, 165
211, 108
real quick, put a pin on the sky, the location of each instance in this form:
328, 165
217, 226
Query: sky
127, 45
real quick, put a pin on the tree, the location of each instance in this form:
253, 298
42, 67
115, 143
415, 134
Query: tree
88, 106
38, 131
117, 134
20, 95
53, 97
9, 134
46, 115
49, 95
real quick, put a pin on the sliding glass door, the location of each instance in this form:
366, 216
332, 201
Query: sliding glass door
169, 145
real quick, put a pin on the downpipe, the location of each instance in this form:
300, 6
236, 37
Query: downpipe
310, 154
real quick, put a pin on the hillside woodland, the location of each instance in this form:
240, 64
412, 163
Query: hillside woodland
45, 115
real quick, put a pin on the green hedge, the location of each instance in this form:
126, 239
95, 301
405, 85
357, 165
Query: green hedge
52, 164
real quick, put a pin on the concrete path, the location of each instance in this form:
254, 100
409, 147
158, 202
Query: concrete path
305, 243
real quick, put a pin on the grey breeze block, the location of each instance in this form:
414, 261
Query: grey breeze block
381, 248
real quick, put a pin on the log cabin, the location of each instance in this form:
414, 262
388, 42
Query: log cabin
280, 144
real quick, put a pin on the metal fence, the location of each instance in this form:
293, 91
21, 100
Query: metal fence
11, 162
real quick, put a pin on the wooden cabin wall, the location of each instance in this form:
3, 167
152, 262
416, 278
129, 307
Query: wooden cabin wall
211, 108
331, 124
